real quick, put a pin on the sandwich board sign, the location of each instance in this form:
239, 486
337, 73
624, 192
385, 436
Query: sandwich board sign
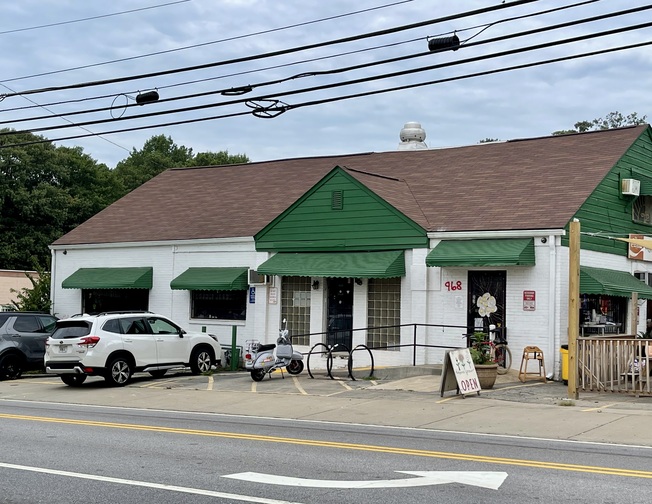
459, 373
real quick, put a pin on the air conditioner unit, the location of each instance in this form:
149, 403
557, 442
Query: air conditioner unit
630, 187
256, 278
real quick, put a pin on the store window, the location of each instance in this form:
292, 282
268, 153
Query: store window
223, 305
384, 313
108, 300
642, 210
295, 308
603, 314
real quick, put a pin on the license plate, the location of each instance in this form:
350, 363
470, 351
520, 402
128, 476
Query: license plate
63, 349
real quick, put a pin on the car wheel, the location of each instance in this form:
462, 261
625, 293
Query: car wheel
201, 361
159, 373
257, 375
295, 367
73, 380
119, 372
11, 367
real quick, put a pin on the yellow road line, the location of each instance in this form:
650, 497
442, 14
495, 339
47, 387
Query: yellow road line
613, 471
599, 407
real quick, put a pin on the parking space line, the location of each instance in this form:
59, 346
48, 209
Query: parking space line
345, 385
298, 385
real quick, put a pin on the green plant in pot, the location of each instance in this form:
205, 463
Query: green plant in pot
483, 359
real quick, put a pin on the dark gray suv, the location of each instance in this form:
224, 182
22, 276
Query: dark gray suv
22, 341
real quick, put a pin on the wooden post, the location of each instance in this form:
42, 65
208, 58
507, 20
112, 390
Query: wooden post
573, 306
634, 314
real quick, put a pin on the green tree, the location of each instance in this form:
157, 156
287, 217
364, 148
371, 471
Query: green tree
160, 153
610, 121
38, 297
45, 191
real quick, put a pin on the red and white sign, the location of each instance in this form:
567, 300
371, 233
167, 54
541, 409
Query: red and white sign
529, 300
637, 252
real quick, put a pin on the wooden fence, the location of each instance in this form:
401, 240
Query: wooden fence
614, 365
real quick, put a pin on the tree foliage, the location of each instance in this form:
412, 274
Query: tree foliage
610, 121
45, 191
160, 153
38, 297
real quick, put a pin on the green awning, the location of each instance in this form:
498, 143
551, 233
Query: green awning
211, 279
109, 278
612, 283
336, 264
507, 252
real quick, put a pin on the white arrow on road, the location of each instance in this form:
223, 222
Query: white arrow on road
491, 480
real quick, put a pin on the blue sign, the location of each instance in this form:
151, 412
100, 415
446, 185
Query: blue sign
252, 295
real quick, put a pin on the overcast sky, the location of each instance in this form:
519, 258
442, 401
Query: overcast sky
518, 103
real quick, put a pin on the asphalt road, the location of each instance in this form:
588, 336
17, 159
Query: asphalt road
64, 453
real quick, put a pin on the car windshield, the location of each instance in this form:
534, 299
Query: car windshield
71, 329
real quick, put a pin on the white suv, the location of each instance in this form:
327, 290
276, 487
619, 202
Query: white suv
116, 345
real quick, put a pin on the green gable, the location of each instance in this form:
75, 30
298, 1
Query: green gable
340, 213
607, 211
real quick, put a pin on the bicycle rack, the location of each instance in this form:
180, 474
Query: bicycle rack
329, 358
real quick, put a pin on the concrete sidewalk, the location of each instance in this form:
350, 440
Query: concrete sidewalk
531, 409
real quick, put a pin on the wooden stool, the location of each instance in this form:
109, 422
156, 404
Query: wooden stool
532, 353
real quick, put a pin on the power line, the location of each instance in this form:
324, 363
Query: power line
286, 107
68, 120
365, 65
321, 58
90, 18
203, 44
276, 53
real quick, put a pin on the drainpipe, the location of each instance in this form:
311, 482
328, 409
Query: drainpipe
554, 336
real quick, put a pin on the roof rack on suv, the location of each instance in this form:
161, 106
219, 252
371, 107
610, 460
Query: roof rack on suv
121, 311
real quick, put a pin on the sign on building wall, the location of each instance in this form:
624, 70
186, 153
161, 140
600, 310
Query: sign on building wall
252, 295
529, 300
272, 296
637, 252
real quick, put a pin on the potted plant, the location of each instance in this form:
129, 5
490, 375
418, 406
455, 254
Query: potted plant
483, 360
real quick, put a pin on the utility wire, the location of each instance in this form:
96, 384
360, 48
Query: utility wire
203, 44
90, 18
357, 95
271, 101
310, 60
365, 65
72, 123
276, 53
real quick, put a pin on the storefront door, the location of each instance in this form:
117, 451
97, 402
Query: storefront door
486, 300
340, 311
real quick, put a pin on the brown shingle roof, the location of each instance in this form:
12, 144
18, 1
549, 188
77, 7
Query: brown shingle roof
524, 184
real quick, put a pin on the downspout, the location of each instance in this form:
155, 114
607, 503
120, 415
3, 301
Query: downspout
554, 336
53, 280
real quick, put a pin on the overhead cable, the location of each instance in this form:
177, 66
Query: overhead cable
484, 27
90, 18
274, 53
203, 44
347, 97
375, 77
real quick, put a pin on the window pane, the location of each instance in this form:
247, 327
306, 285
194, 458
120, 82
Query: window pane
295, 308
224, 305
384, 313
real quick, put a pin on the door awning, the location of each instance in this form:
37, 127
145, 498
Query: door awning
109, 278
499, 252
612, 283
212, 279
336, 264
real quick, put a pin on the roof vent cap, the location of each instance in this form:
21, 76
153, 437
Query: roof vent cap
412, 137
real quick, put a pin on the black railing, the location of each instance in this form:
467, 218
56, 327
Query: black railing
454, 338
